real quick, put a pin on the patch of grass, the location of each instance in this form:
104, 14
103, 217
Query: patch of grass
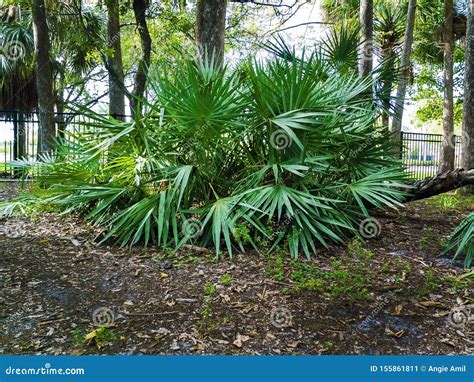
424, 242
385, 267
328, 345
442, 241
104, 337
346, 281
78, 336
407, 268
458, 283
451, 201
275, 265
207, 307
430, 284
226, 280
194, 259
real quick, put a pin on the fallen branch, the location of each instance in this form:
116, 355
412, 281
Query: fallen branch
439, 184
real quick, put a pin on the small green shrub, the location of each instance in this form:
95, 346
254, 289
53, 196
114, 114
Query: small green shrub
105, 336
430, 283
226, 280
458, 283
275, 265
78, 336
207, 307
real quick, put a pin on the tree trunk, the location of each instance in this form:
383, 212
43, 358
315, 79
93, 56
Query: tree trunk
210, 29
439, 184
447, 148
139, 9
388, 58
405, 67
467, 147
114, 60
366, 36
47, 128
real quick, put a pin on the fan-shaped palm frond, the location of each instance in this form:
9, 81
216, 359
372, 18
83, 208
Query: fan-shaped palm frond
286, 142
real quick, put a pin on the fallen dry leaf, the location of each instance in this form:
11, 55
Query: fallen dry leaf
447, 342
391, 333
198, 346
397, 310
294, 345
270, 336
240, 340
428, 304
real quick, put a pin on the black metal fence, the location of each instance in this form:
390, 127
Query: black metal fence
19, 135
421, 153
19, 138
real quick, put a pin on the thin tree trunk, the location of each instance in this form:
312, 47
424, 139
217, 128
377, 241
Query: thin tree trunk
366, 35
387, 86
47, 128
468, 112
405, 67
139, 9
114, 60
210, 29
447, 149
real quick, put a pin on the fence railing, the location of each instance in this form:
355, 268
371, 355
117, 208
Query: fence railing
19, 134
421, 153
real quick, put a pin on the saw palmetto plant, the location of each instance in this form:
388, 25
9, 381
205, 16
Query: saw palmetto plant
462, 240
284, 151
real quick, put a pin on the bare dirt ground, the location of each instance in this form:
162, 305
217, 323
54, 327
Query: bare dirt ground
58, 286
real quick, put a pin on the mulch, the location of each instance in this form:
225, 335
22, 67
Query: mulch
58, 285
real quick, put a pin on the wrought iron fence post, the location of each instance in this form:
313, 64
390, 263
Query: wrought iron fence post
401, 144
15, 134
